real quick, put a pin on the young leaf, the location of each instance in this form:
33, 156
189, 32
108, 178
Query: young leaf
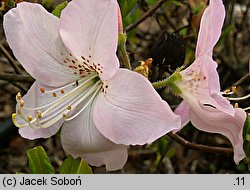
39, 162
57, 11
75, 166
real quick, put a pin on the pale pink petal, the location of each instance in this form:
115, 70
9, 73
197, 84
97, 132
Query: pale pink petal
92, 37
213, 120
35, 98
183, 110
209, 68
33, 35
131, 112
80, 138
200, 82
210, 27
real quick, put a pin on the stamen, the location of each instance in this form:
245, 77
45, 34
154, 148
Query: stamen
83, 108
236, 105
19, 96
61, 99
39, 114
21, 102
246, 109
42, 90
234, 89
69, 107
52, 112
227, 91
29, 117
240, 98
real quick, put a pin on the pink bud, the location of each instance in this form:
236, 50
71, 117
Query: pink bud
120, 26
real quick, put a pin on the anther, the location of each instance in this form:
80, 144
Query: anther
54, 94
69, 107
234, 89
29, 117
42, 90
65, 116
21, 102
62, 91
19, 96
39, 114
236, 105
227, 91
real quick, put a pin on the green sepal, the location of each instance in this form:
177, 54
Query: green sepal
39, 162
122, 38
175, 77
75, 166
58, 10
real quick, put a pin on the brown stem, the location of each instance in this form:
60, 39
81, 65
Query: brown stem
145, 16
204, 148
241, 80
10, 59
16, 78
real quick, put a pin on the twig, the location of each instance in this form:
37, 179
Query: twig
242, 79
145, 16
204, 148
10, 59
16, 78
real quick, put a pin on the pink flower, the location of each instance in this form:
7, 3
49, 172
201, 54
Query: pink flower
79, 83
203, 103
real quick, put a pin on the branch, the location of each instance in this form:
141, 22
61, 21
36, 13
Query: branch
241, 80
16, 78
204, 148
10, 59
145, 16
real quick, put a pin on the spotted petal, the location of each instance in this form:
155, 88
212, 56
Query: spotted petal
131, 112
33, 35
80, 138
92, 37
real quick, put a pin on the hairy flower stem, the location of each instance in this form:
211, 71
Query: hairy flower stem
169, 82
122, 47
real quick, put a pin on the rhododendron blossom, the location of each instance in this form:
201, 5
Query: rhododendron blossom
203, 103
79, 84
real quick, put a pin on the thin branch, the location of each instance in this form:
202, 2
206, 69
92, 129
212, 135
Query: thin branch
204, 148
10, 59
16, 78
145, 16
242, 79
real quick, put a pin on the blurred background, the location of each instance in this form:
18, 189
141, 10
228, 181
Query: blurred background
165, 30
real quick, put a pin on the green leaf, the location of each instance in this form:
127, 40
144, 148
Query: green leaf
57, 11
39, 162
126, 6
75, 166
171, 152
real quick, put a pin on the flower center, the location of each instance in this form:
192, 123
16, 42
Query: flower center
67, 103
